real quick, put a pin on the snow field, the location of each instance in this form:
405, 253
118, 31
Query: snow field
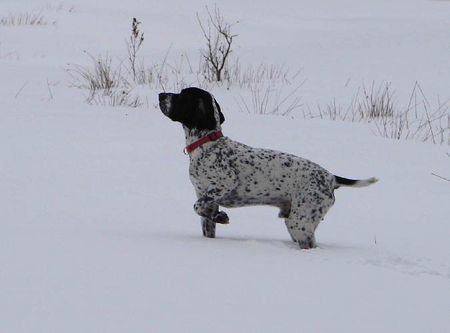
97, 231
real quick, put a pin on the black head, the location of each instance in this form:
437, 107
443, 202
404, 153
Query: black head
193, 107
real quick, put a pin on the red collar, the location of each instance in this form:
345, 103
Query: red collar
210, 137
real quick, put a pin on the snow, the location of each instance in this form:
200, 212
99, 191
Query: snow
97, 231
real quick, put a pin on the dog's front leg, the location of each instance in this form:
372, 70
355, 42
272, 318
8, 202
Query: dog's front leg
208, 208
208, 197
208, 228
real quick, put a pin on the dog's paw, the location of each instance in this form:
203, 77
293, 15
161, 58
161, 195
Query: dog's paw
221, 217
308, 243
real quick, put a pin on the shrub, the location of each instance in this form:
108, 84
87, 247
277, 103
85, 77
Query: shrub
218, 37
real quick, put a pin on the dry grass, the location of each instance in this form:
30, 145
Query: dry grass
270, 101
59, 7
376, 102
266, 89
27, 18
415, 121
114, 98
101, 74
251, 75
365, 105
105, 83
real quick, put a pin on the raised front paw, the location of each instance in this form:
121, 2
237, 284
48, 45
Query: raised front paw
221, 217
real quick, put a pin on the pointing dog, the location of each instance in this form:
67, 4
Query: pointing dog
231, 174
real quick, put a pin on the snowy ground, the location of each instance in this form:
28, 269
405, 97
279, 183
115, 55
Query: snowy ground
97, 231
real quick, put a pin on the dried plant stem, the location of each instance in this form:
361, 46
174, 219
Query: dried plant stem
219, 39
134, 44
443, 178
20, 90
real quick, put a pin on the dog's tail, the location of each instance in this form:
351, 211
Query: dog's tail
340, 181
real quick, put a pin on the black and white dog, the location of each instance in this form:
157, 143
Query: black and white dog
230, 174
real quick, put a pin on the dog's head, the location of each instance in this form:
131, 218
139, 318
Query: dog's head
193, 107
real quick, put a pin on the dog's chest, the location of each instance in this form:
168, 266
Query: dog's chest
209, 170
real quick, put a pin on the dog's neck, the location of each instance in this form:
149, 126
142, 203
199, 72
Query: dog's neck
193, 135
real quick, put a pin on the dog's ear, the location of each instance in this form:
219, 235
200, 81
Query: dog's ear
198, 109
222, 118
205, 118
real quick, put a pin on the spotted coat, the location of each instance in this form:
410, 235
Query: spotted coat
231, 174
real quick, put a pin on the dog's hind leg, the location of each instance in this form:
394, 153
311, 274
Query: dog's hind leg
307, 211
301, 231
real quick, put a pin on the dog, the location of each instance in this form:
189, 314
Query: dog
231, 174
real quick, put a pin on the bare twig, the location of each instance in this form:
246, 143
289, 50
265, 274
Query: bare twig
49, 90
162, 67
20, 90
443, 178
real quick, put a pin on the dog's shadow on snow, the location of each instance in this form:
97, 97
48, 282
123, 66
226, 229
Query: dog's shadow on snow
241, 240
345, 253
259, 241
272, 242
